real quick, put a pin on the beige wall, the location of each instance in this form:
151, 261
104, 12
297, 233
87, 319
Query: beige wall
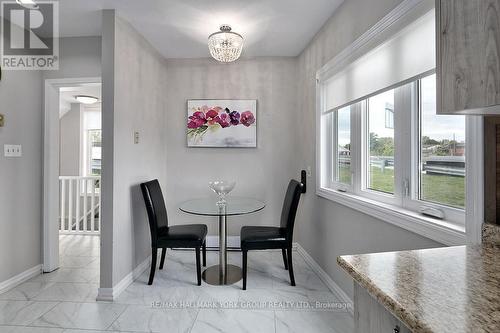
327, 229
261, 172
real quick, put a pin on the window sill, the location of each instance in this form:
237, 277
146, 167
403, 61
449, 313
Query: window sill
437, 230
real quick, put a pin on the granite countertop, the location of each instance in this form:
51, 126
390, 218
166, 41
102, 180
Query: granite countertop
453, 289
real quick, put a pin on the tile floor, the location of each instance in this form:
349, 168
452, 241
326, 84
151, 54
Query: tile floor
64, 301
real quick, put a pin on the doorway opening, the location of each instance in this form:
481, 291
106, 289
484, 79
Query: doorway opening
72, 179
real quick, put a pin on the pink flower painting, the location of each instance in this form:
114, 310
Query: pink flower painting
222, 123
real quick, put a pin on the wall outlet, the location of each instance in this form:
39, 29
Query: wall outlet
309, 171
12, 150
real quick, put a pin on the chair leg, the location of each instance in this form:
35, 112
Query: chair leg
290, 266
283, 251
198, 266
163, 253
244, 269
205, 253
153, 266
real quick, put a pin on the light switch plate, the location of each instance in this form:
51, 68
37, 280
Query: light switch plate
12, 150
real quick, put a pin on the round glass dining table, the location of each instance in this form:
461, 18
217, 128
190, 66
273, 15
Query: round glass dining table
222, 273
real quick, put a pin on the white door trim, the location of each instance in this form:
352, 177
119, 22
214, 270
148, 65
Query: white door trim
51, 167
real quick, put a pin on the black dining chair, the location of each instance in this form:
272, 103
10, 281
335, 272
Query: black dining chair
164, 236
266, 238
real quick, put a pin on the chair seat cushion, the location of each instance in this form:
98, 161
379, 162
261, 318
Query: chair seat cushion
256, 237
177, 235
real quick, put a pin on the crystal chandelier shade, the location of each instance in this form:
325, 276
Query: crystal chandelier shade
225, 45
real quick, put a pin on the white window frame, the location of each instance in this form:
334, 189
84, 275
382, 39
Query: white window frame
412, 147
400, 214
88, 157
364, 189
334, 183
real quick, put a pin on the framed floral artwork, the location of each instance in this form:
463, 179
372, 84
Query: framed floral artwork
222, 123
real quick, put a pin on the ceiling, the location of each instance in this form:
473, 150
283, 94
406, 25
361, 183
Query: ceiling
179, 28
67, 96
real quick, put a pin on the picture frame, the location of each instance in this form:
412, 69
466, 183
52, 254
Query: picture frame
221, 123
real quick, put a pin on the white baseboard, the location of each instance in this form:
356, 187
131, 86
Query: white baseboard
232, 241
334, 288
110, 294
20, 278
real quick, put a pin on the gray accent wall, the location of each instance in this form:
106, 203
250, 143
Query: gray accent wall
21, 177
261, 172
137, 97
79, 57
134, 99
327, 229
21, 96
69, 142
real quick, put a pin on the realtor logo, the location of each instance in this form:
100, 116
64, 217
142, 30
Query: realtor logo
30, 35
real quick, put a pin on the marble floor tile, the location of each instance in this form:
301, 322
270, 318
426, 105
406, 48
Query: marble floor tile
87, 331
313, 321
83, 251
79, 240
76, 262
168, 280
95, 265
70, 275
214, 294
97, 316
234, 321
272, 299
22, 312
64, 300
67, 291
155, 319
142, 294
303, 280
258, 279
26, 291
30, 329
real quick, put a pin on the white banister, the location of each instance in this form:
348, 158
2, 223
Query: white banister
63, 206
84, 222
77, 204
70, 205
80, 208
92, 216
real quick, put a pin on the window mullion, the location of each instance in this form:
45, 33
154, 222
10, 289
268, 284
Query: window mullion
403, 143
415, 143
334, 148
364, 149
357, 147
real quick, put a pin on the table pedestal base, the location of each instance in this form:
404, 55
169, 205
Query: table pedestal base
212, 275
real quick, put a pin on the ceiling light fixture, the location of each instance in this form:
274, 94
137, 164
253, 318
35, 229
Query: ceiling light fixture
225, 45
30, 4
84, 99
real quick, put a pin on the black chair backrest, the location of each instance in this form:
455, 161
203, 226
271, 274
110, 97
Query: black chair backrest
155, 205
290, 206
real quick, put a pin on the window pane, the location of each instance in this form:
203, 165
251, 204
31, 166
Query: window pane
442, 152
95, 152
344, 145
381, 142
